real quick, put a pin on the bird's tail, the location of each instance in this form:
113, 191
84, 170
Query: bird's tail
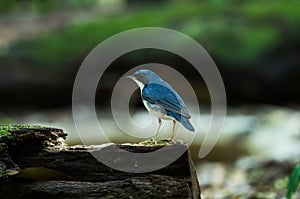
186, 123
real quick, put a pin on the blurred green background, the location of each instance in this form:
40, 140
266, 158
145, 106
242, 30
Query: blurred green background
255, 45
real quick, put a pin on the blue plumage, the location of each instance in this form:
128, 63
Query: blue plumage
183, 120
158, 94
161, 95
161, 99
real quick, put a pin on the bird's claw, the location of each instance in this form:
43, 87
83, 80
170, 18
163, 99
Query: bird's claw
154, 140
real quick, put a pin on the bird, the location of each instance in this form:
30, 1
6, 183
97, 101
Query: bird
161, 100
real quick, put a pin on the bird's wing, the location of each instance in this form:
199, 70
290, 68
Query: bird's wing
165, 97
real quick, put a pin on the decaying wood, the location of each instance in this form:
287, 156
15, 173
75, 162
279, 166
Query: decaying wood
89, 178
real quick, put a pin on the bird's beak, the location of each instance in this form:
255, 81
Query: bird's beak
129, 77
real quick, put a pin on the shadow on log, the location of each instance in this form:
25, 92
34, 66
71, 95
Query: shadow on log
73, 172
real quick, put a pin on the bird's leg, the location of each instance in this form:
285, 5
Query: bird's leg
173, 130
159, 125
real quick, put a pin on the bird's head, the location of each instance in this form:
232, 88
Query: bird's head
143, 77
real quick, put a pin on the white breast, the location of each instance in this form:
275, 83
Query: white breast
157, 111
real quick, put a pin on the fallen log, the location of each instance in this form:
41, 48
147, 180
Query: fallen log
47, 168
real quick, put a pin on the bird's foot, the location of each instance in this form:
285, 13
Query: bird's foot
154, 140
168, 141
164, 141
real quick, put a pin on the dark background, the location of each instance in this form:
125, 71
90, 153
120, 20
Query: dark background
255, 45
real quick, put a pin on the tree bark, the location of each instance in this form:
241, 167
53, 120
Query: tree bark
73, 172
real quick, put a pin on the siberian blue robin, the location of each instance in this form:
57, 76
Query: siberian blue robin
161, 100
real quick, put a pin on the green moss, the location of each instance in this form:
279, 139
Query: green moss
6, 130
16, 127
4, 133
281, 183
161, 142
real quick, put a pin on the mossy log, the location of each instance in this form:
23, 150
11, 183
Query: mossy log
73, 172
25, 139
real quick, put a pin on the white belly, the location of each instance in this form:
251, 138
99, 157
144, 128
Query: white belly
157, 111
